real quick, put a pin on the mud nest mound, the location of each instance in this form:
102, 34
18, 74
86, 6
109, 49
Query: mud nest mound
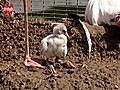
100, 72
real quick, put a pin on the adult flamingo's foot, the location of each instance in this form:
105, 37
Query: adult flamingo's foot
29, 62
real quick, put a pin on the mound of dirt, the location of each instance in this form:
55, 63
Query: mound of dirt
99, 72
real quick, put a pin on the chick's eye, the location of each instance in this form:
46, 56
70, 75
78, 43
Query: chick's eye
63, 31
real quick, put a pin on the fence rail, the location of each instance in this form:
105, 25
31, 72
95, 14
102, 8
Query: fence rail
52, 9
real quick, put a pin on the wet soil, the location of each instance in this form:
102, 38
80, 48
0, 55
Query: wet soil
99, 72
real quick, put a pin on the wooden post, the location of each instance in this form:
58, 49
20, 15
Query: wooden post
26, 28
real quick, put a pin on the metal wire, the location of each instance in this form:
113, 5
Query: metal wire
77, 6
43, 9
54, 10
66, 8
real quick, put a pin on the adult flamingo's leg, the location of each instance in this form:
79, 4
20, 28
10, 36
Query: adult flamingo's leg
28, 3
28, 60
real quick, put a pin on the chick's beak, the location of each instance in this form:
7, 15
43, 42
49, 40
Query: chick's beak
66, 34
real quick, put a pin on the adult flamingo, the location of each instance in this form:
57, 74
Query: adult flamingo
103, 11
28, 60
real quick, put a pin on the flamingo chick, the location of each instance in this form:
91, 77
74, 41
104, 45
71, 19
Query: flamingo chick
55, 45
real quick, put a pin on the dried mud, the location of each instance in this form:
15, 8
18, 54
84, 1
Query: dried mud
100, 72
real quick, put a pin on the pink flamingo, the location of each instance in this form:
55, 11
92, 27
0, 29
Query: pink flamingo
103, 11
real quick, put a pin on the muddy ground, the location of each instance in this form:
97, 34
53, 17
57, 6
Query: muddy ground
100, 72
